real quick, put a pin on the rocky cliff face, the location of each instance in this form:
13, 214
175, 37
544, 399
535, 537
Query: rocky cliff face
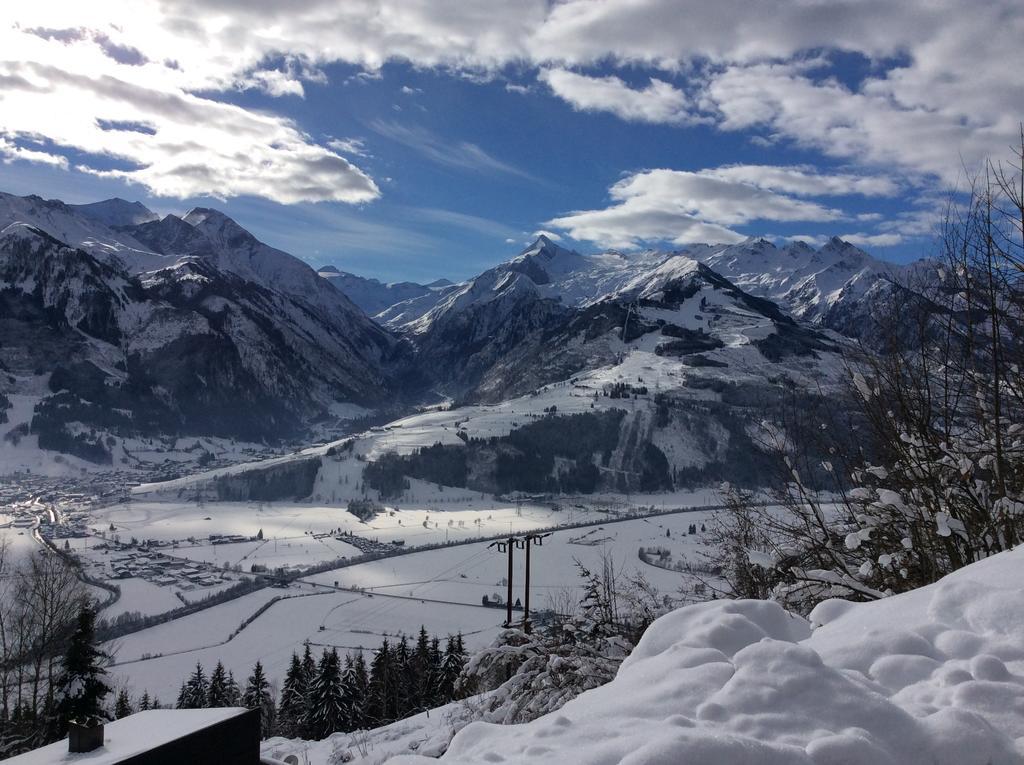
226, 336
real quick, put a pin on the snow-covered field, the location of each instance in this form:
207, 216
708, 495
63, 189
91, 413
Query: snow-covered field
467, 573
350, 621
931, 677
441, 589
143, 597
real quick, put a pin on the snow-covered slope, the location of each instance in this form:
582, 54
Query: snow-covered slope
544, 270
83, 226
173, 326
827, 286
931, 677
376, 297
551, 313
808, 282
117, 212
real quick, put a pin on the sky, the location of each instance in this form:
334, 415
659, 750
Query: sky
418, 139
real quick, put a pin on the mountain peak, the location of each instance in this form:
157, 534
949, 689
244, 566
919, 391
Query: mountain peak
543, 245
328, 270
220, 228
837, 244
116, 212
199, 215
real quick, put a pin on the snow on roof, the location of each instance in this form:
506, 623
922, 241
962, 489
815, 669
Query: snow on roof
934, 676
131, 735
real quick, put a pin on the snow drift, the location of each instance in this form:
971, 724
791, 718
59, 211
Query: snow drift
932, 676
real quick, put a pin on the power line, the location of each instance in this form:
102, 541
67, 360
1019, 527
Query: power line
507, 546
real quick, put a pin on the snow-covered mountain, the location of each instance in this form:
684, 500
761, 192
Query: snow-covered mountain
173, 326
190, 324
809, 283
826, 286
385, 301
551, 313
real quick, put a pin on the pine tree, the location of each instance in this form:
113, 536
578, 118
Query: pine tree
380, 691
292, 710
435, 658
196, 690
348, 687
402, 683
257, 696
144, 702
421, 677
326, 706
82, 684
217, 695
452, 663
182, 697
308, 664
234, 693
123, 705
359, 692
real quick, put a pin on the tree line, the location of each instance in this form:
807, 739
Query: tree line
325, 695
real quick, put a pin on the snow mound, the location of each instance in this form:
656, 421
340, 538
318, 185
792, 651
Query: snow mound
933, 676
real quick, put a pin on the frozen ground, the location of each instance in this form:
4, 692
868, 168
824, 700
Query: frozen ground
143, 597
302, 533
350, 621
441, 589
467, 573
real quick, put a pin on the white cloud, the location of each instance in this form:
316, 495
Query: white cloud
549, 234
873, 240
462, 155
475, 223
10, 152
356, 146
816, 241
951, 94
686, 207
136, 122
659, 102
803, 180
921, 135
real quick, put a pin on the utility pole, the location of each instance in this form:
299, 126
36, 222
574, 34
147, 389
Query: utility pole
539, 539
507, 547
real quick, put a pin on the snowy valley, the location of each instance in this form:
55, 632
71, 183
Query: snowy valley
244, 458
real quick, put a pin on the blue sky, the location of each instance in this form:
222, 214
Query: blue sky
440, 146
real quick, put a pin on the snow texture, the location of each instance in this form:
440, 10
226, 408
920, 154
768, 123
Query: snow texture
130, 736
935, 677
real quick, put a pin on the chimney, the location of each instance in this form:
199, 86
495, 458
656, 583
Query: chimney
85, 737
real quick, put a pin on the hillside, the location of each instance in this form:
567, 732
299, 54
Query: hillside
171, 327
186, 324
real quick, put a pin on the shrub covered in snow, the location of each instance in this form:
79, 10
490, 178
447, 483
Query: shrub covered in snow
935, 677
